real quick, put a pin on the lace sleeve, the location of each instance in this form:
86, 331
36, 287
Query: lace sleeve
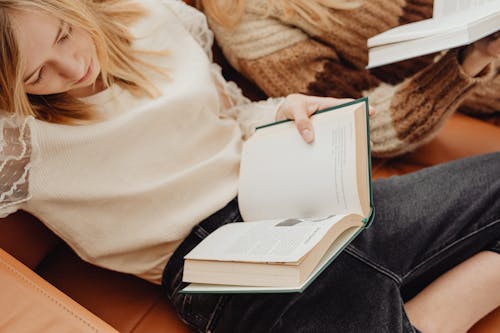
235, 105
15, 162
194, 22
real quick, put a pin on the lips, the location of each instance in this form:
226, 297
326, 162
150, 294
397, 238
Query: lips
86, 75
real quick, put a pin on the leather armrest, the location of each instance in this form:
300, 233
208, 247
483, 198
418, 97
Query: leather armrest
489, 324
30, 304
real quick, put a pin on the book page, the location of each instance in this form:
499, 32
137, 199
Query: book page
341, 242
285, 240
451, 31
282, 176
450, 22
446, 7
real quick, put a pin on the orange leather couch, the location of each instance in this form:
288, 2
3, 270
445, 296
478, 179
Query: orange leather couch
45, 287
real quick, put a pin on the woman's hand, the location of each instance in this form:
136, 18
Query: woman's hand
480, 54
300, 108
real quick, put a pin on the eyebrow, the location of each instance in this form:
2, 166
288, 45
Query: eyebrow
59, 32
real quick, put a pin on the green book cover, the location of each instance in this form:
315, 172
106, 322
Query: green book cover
261, 198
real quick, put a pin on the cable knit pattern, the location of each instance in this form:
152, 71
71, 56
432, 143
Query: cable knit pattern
255, 37
432, 92
420, 106
349, 39
410, 106
293, 75
416, 10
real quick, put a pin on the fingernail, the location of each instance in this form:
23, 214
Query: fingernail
307, 135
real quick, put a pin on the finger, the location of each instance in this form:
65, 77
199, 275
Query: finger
371, 111
303, 122
305, 128
326, 102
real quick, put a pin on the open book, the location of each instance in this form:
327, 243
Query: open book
454, 23
303, 202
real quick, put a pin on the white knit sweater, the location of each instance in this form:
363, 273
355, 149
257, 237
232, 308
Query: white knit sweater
125, 192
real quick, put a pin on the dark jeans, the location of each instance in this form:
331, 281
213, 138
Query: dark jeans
425, 223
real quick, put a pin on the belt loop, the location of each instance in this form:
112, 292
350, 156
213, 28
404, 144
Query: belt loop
200, 232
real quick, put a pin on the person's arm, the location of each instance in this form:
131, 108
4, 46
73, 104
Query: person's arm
282, 59
194, 22
479, 55
259, 48
484, 101
411, 113
296, 107
16, 161
347, 31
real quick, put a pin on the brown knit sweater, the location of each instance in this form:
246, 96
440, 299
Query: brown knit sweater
285, 54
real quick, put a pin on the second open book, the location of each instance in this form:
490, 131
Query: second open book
454, 23
304, 203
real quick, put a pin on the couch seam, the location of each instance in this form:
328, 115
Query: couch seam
144, 315
47, 295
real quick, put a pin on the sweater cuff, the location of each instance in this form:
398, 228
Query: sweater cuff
421, 105
424, 102
252, 115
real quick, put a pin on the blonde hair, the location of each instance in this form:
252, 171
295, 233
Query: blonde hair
316, 12
106, 21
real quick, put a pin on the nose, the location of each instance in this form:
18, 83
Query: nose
71, 68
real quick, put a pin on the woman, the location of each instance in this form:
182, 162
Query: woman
126, 143
319, 47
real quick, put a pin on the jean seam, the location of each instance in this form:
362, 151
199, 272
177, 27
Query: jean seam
200, 232
177, 288
448, 247
196, 317
290, 304
212, 321
234, 216
353, 251
495, 248
405, 315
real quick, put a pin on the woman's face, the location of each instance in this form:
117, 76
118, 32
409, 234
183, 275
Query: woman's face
58, 57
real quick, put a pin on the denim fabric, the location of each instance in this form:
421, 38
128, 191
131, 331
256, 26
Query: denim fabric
200, 310
426, 223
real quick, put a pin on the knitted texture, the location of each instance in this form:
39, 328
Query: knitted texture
419, 106
270, 36
282, 73
484, 101
410, 107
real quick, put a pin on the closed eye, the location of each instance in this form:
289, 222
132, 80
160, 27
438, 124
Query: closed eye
61, 40
67, 34
40, 76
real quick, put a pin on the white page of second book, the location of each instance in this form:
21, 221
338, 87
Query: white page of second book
437, 25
